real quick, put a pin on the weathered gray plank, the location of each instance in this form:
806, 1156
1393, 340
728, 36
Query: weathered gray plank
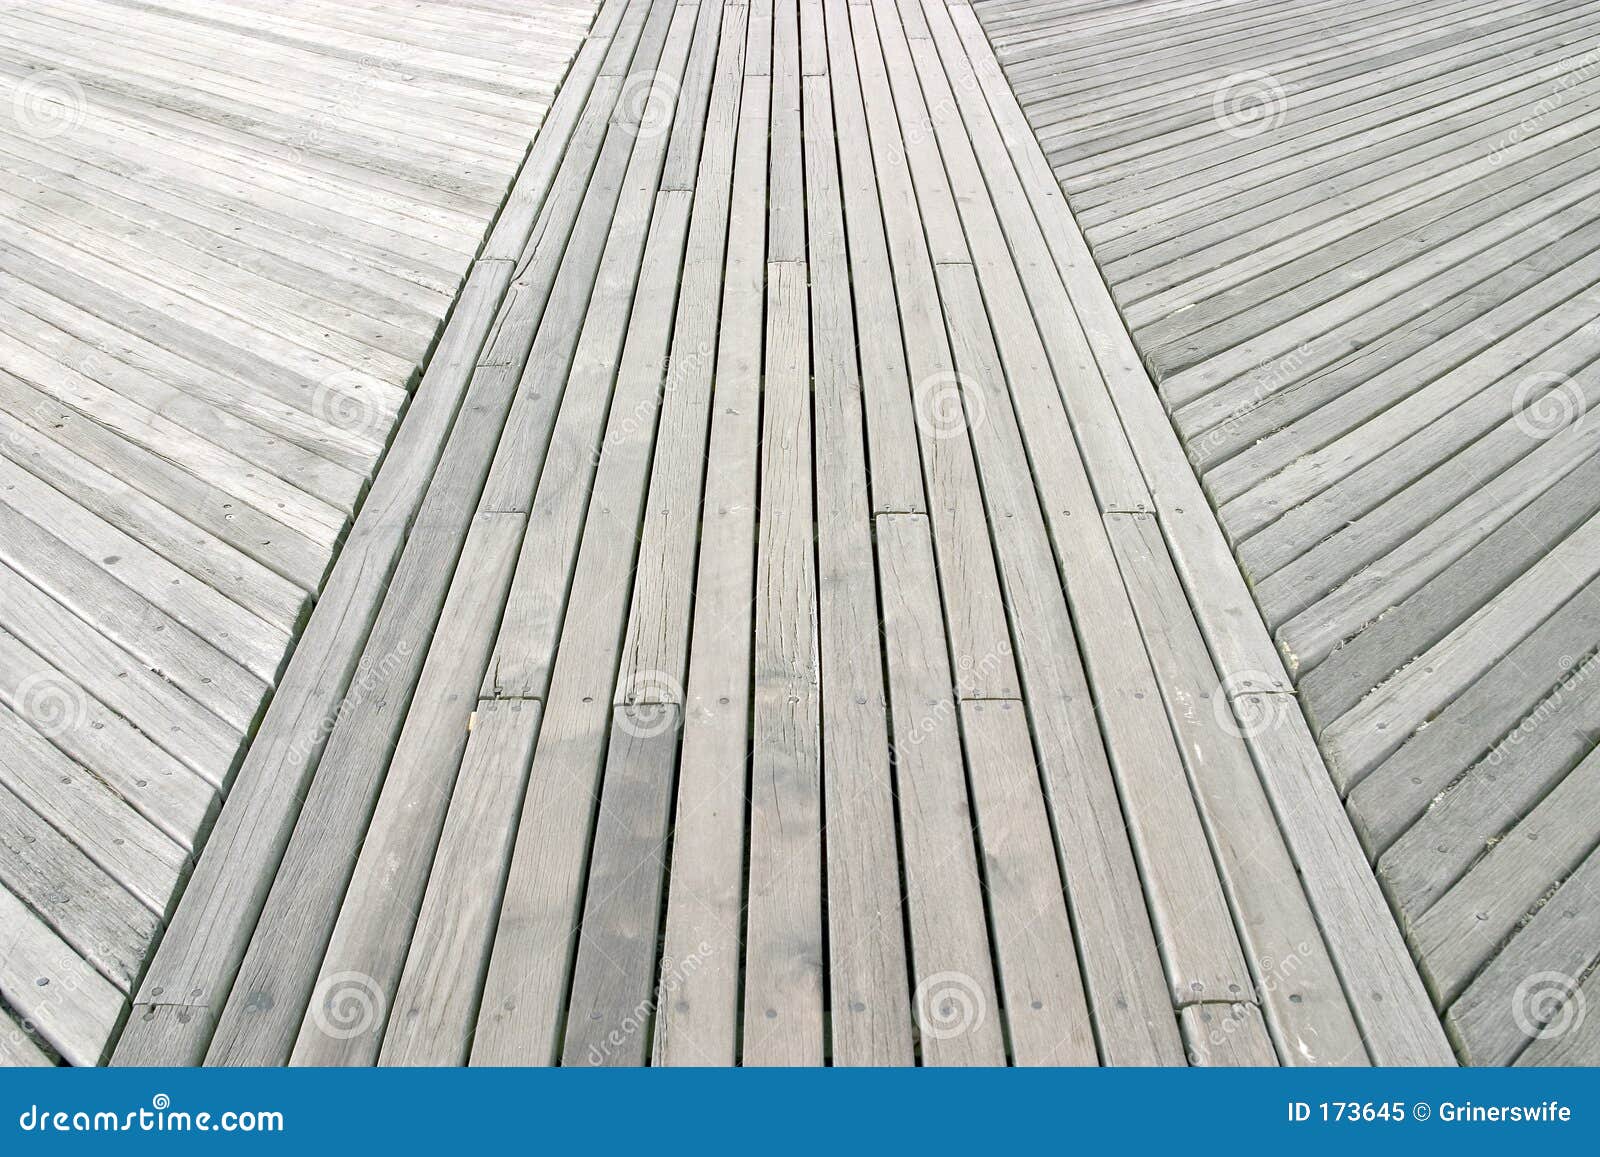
783, 992
62, 998
1527, 992
436, 1002
956, 1004
87, 908
19, 1048
367, 930
1500, 710
699, 1024
868, 992
1047, 1015
1459, 933
1296, 984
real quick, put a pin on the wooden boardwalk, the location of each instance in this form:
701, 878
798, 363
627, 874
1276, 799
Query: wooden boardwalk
229, 234
805, 643
1358, 246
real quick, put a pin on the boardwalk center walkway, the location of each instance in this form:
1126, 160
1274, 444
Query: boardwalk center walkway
785, 629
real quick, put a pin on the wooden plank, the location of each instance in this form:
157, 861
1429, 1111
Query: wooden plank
397, 851
1492, 795
62, 998
260, 430
1344, 391
130, 687
1419, 431
1337, 684
233, 881
531, 969
1124, 975
1041, 989
1226, 1035
955, 1000
83, 808
569, 452
1295, 980
1464, 927
1187, 905
1487, 717
892, 442
1316, 395
160, 788
219, 298
1573, 1039
82, 904
699, 1025
195, 551
193, 961
431, 1019
204, 673
1396, 1018
618, 983
784, 953
616, 952
1012, 261
867, 987
657, 638
278, 974
295, 556
1380, 722
615, 976
1408, 539
19, 1048
783, 987
257, 645
979, 638
1226, 613
366, 931
1527, 993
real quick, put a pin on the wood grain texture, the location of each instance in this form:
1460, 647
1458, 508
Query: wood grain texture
1353, 268
816, 646
234, 237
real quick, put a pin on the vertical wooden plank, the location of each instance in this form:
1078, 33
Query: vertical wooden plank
783, 938
1226, 1035
892, 444
699, 1025
1296, 983
531, 969
956, 1006
1047, 1016
376, 915
435, 1004
613, 998
867, 976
